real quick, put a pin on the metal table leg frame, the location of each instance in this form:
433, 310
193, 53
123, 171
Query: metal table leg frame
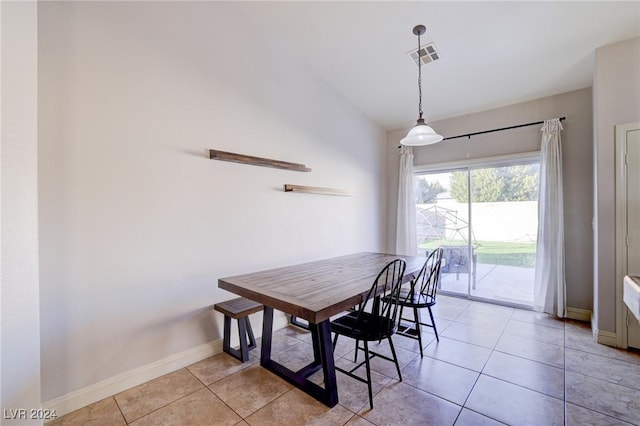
323, 354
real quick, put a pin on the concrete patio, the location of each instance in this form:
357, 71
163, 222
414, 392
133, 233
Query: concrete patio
507, 284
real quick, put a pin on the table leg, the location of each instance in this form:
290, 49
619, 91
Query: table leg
328, 362
267, 332
323, 354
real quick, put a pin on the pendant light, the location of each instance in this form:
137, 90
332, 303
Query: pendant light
421, 134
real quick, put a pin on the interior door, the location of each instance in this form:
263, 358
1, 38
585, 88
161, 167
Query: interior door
633, 224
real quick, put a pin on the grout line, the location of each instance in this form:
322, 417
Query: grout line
225, 403
119, 409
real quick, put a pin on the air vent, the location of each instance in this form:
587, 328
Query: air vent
428, 53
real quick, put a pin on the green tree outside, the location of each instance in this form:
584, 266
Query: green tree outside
512, 183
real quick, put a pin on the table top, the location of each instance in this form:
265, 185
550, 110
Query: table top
315, 291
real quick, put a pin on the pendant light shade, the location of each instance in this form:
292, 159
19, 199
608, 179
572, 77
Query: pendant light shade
420, 134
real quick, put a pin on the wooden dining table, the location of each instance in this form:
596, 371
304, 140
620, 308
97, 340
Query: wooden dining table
314, 291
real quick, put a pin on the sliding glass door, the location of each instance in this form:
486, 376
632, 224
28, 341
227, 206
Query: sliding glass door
485, 219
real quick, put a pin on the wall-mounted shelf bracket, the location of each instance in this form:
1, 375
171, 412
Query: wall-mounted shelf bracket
256, 161
317, 190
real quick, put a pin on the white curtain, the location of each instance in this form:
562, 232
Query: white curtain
549, 284
406, 240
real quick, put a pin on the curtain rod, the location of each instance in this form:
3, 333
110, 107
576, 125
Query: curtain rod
468, 135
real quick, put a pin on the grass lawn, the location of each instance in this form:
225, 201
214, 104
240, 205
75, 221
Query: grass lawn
495, 252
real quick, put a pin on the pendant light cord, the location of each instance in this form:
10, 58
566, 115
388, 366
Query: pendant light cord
419, 78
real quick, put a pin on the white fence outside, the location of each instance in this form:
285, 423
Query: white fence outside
512, 221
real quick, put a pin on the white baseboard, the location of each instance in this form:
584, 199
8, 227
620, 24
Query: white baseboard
606, 338
579, 314
82, 397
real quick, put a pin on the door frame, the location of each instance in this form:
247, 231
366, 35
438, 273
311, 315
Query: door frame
621, 228
468, 165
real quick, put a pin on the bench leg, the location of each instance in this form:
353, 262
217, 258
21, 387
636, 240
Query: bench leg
242, 338
252, 340
245, 336
226, 342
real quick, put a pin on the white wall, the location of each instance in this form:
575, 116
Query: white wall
136, 224
19, 316
616, 90
576, 159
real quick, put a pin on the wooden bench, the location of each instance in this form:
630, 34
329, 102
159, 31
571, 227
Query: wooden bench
238, 309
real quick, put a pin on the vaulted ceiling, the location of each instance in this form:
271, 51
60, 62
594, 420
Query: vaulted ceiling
491, 53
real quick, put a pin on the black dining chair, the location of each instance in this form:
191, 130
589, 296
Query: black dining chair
374, 319
421, 294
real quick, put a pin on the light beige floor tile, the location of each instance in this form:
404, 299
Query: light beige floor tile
297, 332
474, 335
101, 413
147, 397
604, 368
459, 353
358, 421
353, 394
514, 404
516, 386
471, 418
483, 320
448, 312
607, 398
344, 346
489, 309
280, 341
523, 372
200, 408
535, 332
539, 318
412, 344
440, 378
578, 336
297, 408
534, 350
580, 416
455, 301
219, 366
295, 357
250, 389
381, 365
401, 404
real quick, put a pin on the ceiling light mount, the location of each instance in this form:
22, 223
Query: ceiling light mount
420, 134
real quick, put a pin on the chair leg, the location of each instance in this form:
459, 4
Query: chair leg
416, 316
355, 356
366, 357
400, 320
435, 330
335, 342
395, 359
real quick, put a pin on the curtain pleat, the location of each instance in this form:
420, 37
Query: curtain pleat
549, 293
406, 240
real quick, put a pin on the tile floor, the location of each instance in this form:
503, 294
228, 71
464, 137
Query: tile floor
492, 365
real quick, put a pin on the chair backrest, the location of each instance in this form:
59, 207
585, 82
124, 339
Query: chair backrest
387, 286
429, 276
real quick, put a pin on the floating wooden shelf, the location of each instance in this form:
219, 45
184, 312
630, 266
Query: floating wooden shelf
256, 161
317, 190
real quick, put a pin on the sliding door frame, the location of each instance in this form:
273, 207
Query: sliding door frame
467, 166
